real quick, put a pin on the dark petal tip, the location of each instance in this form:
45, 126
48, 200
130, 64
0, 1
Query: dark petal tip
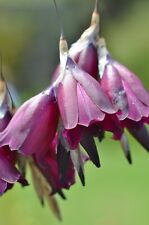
125, 147
141, 135
23, 182
42, 202
89, 145
98, 165
129, 158
62, 195
81, 175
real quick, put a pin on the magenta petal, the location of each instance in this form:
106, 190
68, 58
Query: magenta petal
112, 84
15, 133
56, 166
88, 111
92, 88
134, 82
8, 172
73, 136
112, 124
33, 126
137, 110
3, 186
67, 101
88, 60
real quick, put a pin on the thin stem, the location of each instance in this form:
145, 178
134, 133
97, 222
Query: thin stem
1, 67
96, 7
59, 20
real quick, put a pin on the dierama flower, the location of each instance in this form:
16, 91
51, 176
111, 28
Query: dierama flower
33, 126
80, 98
88, 101
84, 53
8, 173
126, 92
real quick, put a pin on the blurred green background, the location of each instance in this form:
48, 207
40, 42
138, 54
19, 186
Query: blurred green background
115, 194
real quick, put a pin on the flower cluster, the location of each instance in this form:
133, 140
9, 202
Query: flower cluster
90, 94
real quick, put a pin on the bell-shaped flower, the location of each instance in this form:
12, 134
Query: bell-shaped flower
8, 173
126, 92
80, 97
84, 53
34, 124
123, 87
87, 107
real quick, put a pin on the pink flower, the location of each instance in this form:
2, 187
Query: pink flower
33, 126
81, 100
126, 92
8, 173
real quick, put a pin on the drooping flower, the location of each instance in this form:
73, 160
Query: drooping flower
126, 92
80, 97
81, 100
8, 172
84, 53
33, 126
